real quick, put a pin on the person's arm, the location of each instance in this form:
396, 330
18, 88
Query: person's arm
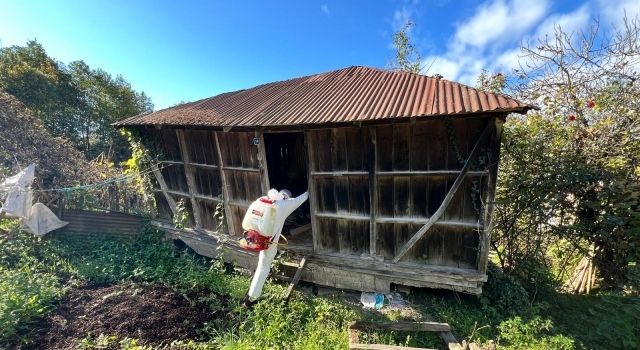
289, 205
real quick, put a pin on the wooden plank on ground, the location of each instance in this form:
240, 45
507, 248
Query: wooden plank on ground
402, 326
298, 230
382, 347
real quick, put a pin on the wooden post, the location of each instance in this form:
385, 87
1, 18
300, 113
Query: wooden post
163, 187
313, 198
191, 180
373, 192
225, 188
447, 199
295, 280
485, 236
262, 161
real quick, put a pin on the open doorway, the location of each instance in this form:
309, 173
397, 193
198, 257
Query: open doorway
287, 164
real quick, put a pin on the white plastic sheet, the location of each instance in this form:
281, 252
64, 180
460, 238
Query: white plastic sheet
42, 220
37, 218
19, 198
17, 203
22, 179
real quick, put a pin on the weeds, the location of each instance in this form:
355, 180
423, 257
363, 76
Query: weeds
35, 273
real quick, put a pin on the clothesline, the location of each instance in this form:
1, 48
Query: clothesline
114, 180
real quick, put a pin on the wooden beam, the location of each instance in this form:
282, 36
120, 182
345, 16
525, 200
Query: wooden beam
191, 179
313, 196
402, 326
346, 216
373, 192
431, 173
295, 280
447, 199
262, 161
339, 173
358, 346
239, 168
206, 166
298, 230
225, 188
422, 221
489, 200
163, 187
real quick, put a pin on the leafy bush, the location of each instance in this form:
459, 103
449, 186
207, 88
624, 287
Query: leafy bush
504, 292
534, 334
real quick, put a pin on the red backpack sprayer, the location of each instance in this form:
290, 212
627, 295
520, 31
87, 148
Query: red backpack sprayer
263, 224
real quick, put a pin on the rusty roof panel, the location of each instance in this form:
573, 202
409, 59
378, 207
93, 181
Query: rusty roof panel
351, 94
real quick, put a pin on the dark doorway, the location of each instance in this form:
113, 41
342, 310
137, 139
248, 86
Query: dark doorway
287, 164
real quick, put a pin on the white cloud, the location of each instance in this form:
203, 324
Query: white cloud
613, 11
441, 65
492, 36
325, 9
572, 22
499, 21
404, 14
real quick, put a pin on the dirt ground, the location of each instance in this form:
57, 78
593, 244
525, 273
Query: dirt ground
155, 315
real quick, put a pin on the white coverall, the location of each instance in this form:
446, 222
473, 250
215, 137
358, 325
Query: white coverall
283, 208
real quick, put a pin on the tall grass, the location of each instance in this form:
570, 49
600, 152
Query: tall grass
35, 274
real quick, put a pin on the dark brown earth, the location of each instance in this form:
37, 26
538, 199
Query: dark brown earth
155, 315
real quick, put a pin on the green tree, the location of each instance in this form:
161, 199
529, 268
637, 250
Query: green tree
570, 171
42, 84
408, 58
76, 102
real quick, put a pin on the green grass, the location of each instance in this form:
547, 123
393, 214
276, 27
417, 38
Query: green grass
35, 274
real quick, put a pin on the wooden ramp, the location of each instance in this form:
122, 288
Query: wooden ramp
443, 329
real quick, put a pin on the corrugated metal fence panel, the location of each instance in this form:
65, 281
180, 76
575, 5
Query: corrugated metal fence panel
353, 94
107, 222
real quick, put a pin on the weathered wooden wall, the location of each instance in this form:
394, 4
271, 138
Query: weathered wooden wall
374, 187
203, 168
376, 192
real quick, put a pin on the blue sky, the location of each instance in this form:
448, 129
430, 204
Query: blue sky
183, 51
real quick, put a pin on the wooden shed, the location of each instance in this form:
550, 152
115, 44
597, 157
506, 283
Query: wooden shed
400, 167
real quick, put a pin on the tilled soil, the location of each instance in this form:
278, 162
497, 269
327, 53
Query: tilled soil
153, 314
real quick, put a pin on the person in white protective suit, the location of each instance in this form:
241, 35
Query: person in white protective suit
283, 206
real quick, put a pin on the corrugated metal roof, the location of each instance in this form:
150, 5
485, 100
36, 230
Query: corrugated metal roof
354, 94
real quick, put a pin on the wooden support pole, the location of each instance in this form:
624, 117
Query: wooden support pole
225, 188
191, 179
373, 192
447, 199
295, 280
262, 161
163, 187
489, 200
313, 196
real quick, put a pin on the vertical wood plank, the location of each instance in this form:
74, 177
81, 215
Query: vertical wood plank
225, 189
191, 181
262, 163
373, 191
494, 156
309, 141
